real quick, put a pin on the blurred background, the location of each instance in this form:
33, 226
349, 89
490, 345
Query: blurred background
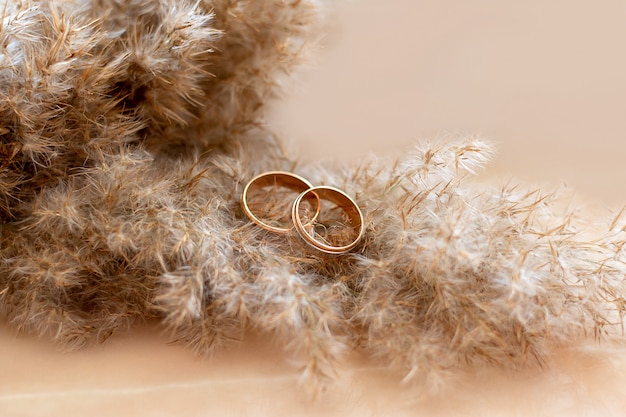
545, 81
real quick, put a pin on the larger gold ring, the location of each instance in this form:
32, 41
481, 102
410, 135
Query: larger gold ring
345, 203
275, 178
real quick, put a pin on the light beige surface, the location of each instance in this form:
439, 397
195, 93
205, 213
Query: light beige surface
544, 80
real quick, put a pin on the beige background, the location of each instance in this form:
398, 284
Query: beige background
545, 80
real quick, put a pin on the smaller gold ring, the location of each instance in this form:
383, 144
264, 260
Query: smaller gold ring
275, 178
343, 201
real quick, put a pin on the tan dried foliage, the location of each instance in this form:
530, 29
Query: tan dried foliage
128, 129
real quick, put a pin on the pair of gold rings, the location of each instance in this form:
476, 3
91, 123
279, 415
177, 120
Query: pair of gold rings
342, 229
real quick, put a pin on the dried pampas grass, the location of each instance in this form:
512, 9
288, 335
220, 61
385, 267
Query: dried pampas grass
128, 132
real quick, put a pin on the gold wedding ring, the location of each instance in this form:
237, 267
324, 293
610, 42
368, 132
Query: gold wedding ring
353, 219
314, 233
275, 179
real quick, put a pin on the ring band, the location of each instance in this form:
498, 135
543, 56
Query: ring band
343, 201
276, 178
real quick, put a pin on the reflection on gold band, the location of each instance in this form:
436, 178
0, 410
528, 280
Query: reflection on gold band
277, 179
345, 203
